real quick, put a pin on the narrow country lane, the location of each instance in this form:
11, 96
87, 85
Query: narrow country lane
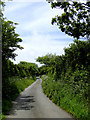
32, 103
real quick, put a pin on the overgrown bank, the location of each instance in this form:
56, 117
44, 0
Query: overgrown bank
69, 97
15, 79
67, 78
15, 86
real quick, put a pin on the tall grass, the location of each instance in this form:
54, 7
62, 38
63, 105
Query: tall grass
71, 97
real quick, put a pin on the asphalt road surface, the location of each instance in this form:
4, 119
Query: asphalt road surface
32, 103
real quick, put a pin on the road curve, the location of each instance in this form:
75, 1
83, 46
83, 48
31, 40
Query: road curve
32, 103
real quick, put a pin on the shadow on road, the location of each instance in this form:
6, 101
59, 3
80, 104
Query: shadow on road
22, 103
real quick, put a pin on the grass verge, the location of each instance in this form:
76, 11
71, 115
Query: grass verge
14, 87
62, 95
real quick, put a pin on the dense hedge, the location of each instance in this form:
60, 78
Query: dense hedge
70, 94
68, 78
15, 78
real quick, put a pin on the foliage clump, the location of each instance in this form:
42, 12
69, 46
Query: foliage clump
75, 20
67, 78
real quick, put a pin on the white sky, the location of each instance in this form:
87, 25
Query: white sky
38, 35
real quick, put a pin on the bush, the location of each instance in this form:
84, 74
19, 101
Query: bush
69, 94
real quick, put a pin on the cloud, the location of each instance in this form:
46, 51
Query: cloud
38, 45
38, 0
25, 0
38, 35
11, 7
41, 17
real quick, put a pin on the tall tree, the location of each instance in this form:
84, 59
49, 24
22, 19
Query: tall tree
10, 39
75, 20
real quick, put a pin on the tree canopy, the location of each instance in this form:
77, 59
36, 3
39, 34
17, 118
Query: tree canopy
77, 55
8, 36
75, 20
10, 39
29, 68
48, 59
